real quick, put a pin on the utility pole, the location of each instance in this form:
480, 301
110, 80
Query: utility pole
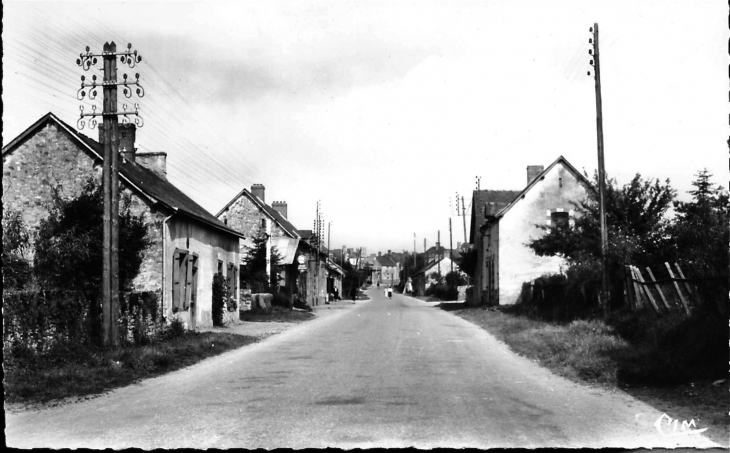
601, 171
110, 168
451, 247
438, 250
414, 250
463, 210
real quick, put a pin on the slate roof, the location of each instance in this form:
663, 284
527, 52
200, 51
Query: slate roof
385, 260
484, 200
268, 210
156, 189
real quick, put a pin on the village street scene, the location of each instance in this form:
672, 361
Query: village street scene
360, 224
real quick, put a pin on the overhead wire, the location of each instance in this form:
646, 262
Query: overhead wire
159, 110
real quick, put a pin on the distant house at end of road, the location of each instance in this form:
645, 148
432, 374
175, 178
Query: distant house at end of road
188, 244
504, 221
386, 270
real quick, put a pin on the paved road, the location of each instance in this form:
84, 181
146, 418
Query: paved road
385, 373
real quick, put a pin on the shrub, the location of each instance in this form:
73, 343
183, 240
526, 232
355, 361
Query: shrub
220, 298
176, 328
442, 291
280, 299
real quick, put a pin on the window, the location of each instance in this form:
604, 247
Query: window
220, 267
559, 219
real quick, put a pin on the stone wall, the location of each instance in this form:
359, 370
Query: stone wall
50, 158
46, 160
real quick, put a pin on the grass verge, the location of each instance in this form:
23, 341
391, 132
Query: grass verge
668, 362
277, 314
77, 371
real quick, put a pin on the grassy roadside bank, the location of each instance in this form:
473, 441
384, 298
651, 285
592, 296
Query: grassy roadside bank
77, 371
671, 363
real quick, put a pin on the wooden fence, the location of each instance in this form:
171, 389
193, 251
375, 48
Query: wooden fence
672, 293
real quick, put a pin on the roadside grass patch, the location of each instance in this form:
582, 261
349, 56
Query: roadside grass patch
277, 314
633, 348
75, 371
577, 350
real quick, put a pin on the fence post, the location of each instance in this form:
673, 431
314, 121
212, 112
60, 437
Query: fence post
686, 283
659, 289
639, 298
676, 286
627, 288
646, 290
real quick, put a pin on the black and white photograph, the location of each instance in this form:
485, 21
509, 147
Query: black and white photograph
366, 224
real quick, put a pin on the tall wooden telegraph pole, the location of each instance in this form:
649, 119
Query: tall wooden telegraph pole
110, 169
601, 171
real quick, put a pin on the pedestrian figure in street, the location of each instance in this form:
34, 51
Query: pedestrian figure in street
390, 292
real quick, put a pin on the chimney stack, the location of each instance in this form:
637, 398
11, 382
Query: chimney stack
156, 162
258, 190
533, 171
280, 207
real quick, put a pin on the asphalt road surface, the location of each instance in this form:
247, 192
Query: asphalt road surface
385, 373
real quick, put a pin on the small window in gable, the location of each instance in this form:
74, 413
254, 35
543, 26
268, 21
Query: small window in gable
559, 219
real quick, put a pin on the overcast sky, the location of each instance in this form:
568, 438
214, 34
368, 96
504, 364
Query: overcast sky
385, 110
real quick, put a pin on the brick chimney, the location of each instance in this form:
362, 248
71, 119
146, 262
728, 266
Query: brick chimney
533, 171
157, 162
258, 190
280, 207
127, 139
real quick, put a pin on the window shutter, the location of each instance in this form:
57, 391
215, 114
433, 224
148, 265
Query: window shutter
194, 287
188, 281
230, 279
176, 288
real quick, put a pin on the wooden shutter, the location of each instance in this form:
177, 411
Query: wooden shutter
188, 270
176, 287
194, 286
230, 279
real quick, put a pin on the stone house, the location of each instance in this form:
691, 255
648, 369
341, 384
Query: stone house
188, 244
503, 222
249, 214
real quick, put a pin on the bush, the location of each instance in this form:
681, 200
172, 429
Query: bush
670, 349
280, 299
442, 291
220, 298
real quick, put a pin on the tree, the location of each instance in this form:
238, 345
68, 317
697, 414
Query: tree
700, 230
253, 270
638, 233
16, 250
468, 262
68, 243
635, 218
